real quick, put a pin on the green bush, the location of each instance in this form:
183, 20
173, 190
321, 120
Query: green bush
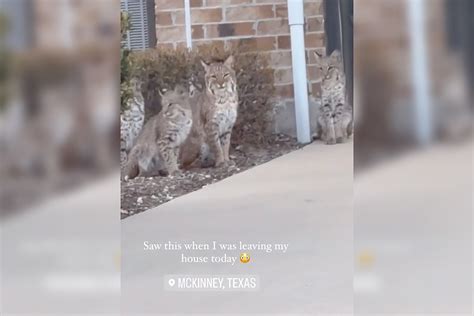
164, 68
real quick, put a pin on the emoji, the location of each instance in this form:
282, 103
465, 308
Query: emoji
366, 259
244, 257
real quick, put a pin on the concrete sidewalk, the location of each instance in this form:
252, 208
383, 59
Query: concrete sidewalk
303, 199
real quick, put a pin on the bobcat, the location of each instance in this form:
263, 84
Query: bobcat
215, 114
157, 147
335, 115
131, 120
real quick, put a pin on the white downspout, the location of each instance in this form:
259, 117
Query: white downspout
420, 77
300, 83
187, 24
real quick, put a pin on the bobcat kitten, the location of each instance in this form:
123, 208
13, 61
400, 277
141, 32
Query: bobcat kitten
335, 115
157, 148
131, 120
217, 112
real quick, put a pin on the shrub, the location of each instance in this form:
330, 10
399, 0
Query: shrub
164, 68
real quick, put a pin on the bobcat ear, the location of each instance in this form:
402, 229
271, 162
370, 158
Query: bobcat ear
336, 55
204, 65
229, 62
162, 91
318, 57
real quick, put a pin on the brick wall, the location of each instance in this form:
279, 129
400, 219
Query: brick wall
258, 24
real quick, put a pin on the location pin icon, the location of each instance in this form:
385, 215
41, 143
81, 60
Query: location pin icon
171, 282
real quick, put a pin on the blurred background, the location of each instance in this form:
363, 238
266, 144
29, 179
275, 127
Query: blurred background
413, 75
59, 178
58, 114
413, 71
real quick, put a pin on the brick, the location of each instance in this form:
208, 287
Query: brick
178, 17
230, 29
316, 89
273, 27
281, 10
314, 40
165, 45
164, 18
218, 43
313, 7
197, 31
280, 59
266, 43
284, 42
220, 3
170, 34
249, 13
206, 15
285, 91
253, 43
313, 73
196, 3
315, 24
283, 76
161, 5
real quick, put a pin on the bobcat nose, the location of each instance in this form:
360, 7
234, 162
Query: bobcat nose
333, 115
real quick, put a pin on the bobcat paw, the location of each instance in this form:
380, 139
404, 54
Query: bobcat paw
176, 172
220, 163
331, 141
163, 173
339, 140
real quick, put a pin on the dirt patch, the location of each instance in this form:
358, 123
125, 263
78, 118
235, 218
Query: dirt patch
141, 194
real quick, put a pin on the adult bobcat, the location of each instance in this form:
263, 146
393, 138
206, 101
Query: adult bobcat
214, 114
157, 147
335, 114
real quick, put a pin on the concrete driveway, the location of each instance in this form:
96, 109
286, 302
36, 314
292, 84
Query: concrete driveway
303, 199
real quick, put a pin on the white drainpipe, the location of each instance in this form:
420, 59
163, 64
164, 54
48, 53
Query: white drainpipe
298, 53
420, 77
187, 23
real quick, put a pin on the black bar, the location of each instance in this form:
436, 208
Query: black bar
332, 25
347, 22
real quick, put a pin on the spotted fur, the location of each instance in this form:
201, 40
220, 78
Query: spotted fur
131, 120
215, 111
157, 149
335, 114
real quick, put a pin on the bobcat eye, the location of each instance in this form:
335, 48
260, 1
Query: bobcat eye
226, 75
213, 77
